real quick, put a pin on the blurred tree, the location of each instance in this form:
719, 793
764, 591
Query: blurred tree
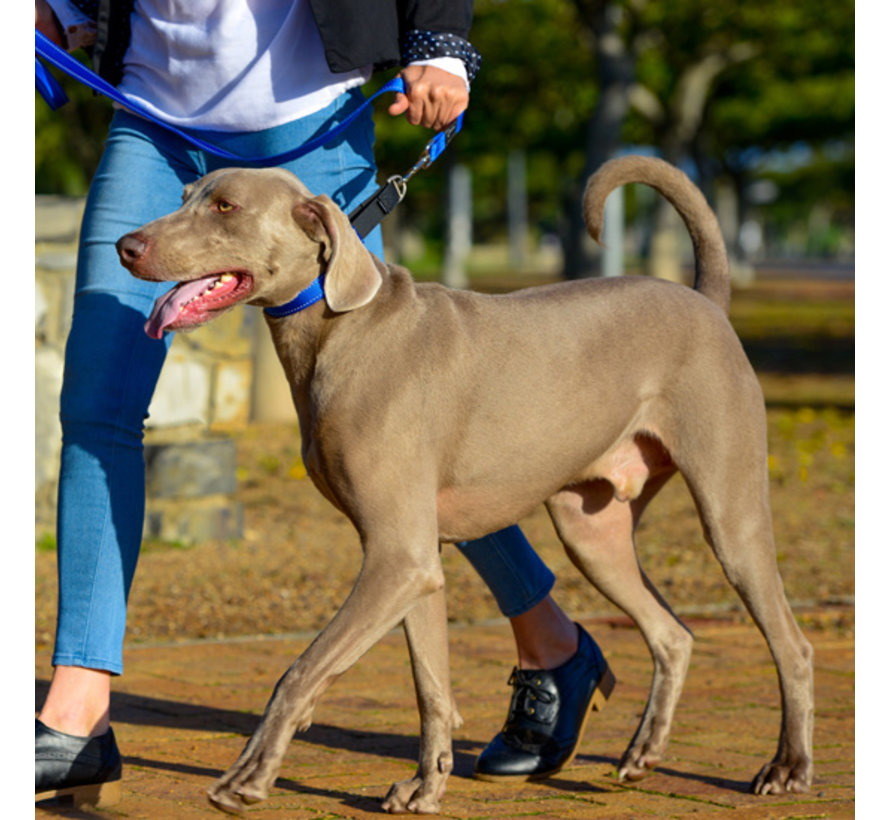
719, 84
789, 117
727, 86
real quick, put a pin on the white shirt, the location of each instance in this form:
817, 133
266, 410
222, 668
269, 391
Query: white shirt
229, 65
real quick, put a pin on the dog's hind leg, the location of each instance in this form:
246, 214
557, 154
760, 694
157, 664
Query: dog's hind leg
597, 531
426, 628
733, 503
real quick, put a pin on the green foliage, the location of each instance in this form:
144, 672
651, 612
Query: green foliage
798, 86
68, 142
46, 543
785, 92
152, 545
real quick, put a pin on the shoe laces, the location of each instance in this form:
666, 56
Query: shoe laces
530, 698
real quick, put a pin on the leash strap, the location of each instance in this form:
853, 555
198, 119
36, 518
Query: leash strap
372, 211
48, 86
54, 95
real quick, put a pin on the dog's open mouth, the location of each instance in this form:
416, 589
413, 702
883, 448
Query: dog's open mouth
195, 302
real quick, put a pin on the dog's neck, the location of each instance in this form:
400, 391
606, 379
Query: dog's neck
300, 337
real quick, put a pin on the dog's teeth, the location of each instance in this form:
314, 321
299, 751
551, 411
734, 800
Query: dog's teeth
226, 277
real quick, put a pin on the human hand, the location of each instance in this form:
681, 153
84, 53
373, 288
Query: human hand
433, 98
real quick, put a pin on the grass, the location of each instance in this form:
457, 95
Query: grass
46, 542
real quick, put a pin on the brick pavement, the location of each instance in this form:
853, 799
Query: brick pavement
182, 714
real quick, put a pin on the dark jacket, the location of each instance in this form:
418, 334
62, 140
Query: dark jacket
355, 33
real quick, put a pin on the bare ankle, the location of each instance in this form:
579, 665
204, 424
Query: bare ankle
78, 701
545, 637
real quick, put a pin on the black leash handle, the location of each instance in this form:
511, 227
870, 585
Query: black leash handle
372, 211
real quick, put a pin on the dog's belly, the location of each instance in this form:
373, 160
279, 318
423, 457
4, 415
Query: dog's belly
471, 512
465, 514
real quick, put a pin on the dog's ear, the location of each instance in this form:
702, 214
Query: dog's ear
351, 275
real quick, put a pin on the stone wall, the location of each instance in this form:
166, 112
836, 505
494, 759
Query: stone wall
216, 379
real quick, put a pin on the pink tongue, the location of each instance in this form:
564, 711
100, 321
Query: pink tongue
167, 308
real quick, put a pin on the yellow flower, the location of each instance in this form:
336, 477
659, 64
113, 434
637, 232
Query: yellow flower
298, 469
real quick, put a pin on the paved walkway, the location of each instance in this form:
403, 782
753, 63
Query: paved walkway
182, 714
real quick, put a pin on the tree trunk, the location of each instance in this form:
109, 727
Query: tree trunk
682, 123
615, 70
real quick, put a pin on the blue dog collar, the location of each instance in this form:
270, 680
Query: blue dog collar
306, 297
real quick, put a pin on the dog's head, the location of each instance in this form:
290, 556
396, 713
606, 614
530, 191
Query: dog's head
255, 236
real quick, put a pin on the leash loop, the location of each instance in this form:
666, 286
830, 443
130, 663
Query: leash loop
48, 86
61, 59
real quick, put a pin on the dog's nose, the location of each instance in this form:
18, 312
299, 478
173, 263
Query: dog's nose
131, 248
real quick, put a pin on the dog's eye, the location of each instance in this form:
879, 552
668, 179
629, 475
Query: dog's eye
223, 206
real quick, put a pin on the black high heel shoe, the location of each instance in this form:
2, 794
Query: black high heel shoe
548, 712
86, 769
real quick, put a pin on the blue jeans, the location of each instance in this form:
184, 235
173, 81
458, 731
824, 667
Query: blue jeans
112, 367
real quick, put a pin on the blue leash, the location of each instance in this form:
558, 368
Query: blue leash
364, 218
55, 97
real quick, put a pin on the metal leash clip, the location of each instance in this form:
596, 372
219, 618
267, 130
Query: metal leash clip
435, 147
372, 211
400, 184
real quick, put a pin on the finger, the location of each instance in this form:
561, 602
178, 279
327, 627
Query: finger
398, 106
441, 113
447, 105
419, 111
430, 108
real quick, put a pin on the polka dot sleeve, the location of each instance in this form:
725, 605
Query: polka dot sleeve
427, 45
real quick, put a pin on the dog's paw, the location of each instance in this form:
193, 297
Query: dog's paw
241, 786
224, 800
779, 778
636, 764
232, 801
410, 797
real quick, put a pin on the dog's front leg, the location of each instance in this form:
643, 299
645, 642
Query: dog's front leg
395, 574
426, 628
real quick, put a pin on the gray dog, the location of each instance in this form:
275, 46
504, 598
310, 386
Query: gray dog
430, 415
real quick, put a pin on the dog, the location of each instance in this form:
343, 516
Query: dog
433, 415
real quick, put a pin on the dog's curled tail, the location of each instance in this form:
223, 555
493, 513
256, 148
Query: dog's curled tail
711, 262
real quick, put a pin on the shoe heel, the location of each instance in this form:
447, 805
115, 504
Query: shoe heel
99, 795
96, 795
603, 690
